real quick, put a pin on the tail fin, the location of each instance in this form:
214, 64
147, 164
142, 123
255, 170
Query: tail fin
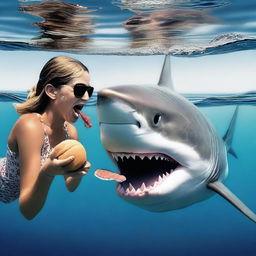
228, 137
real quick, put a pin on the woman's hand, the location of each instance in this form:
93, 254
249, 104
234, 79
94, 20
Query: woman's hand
81, 171
53, 166
73, 178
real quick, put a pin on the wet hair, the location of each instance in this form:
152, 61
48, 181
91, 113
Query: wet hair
57, 71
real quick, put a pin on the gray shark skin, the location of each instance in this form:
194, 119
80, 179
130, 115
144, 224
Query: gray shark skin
170, 154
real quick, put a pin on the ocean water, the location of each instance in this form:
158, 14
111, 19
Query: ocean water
93, 220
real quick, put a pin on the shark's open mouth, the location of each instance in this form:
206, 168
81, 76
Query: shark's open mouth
143, 172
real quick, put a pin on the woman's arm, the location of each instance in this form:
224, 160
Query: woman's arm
73, 179
34, 180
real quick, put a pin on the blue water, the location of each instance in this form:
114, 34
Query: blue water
93, 220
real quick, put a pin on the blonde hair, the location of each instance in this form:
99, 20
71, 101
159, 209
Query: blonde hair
57, 71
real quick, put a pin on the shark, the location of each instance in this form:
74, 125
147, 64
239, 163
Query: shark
169, 153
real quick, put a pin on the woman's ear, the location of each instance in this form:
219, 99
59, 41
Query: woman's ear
50, 91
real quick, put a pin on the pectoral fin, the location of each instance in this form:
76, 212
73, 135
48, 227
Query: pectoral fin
222, 190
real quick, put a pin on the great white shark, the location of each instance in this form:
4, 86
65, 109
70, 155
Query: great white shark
170, 154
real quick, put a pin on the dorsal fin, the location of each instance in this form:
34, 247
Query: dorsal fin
165, 79
228, 137
222, 190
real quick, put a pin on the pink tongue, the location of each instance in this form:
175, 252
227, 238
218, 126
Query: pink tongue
108, 175
86, 119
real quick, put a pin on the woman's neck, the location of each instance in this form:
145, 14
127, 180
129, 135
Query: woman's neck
52, 120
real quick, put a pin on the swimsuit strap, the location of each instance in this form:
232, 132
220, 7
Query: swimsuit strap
46, 148
66, 130
44, 125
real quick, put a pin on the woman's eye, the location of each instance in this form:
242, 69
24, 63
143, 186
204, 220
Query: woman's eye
157, 119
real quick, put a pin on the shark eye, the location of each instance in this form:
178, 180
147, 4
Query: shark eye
157, 119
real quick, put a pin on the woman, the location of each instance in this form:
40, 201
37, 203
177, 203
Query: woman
30, 167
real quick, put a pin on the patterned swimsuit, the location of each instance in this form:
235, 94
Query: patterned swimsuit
10, 170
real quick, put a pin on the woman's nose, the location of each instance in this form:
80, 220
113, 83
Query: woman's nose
86, 96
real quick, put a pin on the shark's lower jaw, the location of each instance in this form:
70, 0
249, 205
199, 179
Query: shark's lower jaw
144, 172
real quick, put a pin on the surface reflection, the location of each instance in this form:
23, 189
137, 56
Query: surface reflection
163, 27
64, 26
163, 4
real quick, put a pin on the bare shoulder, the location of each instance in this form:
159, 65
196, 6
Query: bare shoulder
28, 128
28, 120
28, 123
72, 131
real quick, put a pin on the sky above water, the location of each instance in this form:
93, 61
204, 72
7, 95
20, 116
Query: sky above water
232, 72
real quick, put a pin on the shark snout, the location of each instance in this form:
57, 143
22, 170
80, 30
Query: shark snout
111, 93
112, 108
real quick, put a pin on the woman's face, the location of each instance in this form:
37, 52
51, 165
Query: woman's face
66, 103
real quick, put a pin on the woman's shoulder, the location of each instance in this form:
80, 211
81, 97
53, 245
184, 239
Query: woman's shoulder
29, 119
29, 127
30, 122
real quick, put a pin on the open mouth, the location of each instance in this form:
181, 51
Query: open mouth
78, 108
143, 172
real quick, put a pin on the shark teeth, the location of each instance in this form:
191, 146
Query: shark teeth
122, 156
144, 172
143, 189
